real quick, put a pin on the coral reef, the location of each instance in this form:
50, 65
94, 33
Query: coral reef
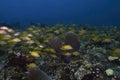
60, 52
18, 59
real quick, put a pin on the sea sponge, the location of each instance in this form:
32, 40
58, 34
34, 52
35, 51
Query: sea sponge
72, 39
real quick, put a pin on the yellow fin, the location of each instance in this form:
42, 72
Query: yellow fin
75, 53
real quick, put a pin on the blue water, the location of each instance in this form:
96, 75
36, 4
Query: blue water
93, 12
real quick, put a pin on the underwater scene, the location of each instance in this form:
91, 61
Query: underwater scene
60, 52
59, 39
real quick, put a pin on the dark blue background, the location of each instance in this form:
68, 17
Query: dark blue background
93, 12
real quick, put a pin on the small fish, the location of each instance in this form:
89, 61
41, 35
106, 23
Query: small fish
82, 32
16, 34
15, 40
75, 53
26, 38
4, 28
10, 30
3, 32
67, 54
107, 40
66, 47
34, 54
29, 35
30, 42
41, 46
7, 36
31, 65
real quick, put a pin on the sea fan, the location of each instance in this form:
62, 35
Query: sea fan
72, 39
55, 43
